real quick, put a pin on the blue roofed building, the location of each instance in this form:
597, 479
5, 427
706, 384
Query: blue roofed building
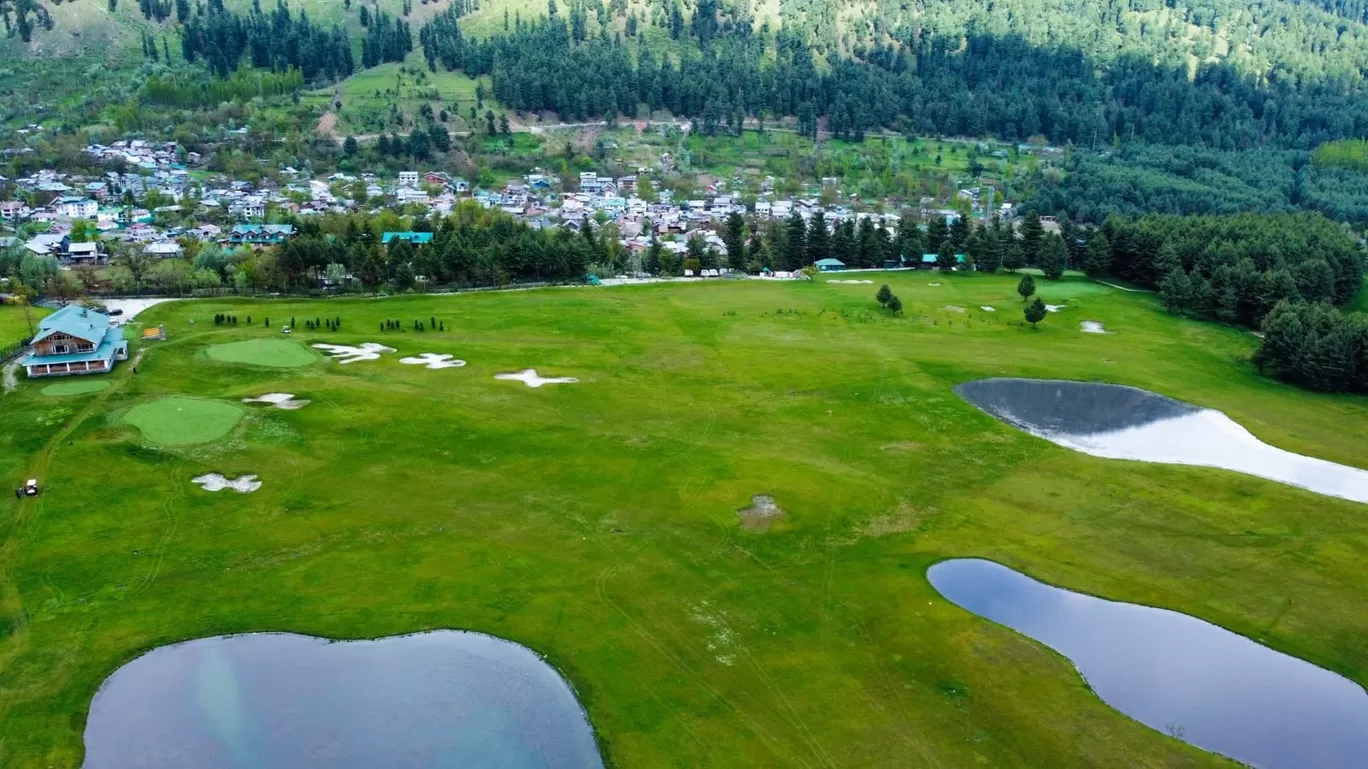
75, 340
260, 234
416, 238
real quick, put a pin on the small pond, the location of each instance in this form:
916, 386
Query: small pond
1193, 680
1119, 422
440, 699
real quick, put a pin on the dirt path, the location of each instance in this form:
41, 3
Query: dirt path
327, 125
11, 369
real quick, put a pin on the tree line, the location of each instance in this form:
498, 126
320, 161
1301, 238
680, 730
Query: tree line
972, 85
1316, 346
279, 41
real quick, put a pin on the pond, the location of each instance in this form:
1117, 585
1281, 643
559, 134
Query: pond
1119, 422
1193, 680
439, 699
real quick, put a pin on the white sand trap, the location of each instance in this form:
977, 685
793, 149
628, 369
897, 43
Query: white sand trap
215, 482
345, 354
933, 284
986, 308
1054, 307
954, 308
279, 400
870, 282
1092, 327
530, 378
434, 361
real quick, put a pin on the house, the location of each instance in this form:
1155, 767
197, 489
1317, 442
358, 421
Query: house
830, 265
11, 210
75, 340
169, 249
260, 234
408, 178
82, 253
75, 207
416, 238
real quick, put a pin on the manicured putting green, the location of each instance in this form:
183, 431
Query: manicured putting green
77, 387
177, 421
277, 353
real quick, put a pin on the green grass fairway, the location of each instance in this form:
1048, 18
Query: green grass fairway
175, 421
76, 387
276, 353
597, 523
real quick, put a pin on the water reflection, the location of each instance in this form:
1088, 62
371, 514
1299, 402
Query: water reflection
441, 699
1119, 422
1196, 681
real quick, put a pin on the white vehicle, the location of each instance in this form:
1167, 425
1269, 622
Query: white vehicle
284, 329
31, 487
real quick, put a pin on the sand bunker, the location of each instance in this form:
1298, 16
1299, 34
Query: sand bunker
851, 281
933, 284
345, 354
986, 308
954, 308
279, 400
762, 512
434, 361
1054, 307
530, 378
215, 482
1092, 327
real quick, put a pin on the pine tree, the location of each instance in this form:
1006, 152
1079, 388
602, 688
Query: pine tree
1052, 256
1035, 311
1026, 287
1097, 256
895, 305
818, 238
795, 253
885, 294
1032, 233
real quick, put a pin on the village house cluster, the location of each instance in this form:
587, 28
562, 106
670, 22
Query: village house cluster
159, 182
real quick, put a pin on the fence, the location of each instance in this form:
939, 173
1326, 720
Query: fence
13, 351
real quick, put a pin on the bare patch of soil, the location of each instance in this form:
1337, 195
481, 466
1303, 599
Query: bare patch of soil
763, 512
327, 125
901, 447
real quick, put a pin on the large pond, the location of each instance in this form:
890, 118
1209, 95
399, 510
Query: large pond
1196, 681
440, 699
1119, 422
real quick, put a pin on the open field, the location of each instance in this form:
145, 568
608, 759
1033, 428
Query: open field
14, 322
596, 522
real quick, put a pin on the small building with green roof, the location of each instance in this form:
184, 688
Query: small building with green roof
416, 238
830, 265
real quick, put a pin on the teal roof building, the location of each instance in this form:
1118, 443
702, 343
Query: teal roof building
75, 340
416, 238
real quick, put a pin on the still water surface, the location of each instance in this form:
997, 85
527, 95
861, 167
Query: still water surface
1198, 682
261, 701
1118, 422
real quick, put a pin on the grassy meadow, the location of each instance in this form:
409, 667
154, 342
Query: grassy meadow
597, 522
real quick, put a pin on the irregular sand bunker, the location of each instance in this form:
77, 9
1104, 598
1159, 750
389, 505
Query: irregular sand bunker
954, 308
870, 282
1054, 307
933, 284
1092, 327
215, 482
345, 354
279, 400
530, 378
986, 308
433, 361
762, 512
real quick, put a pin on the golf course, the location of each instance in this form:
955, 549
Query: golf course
714, 518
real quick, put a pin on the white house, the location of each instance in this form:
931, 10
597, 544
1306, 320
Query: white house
408, 178
75, 207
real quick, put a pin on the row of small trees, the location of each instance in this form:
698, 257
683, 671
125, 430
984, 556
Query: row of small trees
1035, 310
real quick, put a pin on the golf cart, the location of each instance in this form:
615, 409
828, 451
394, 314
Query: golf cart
284, 329
31, 487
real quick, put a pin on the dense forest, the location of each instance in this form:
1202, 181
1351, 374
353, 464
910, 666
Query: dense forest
278, 41
1316, 346
1234, 269
1145, 178
948, 85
